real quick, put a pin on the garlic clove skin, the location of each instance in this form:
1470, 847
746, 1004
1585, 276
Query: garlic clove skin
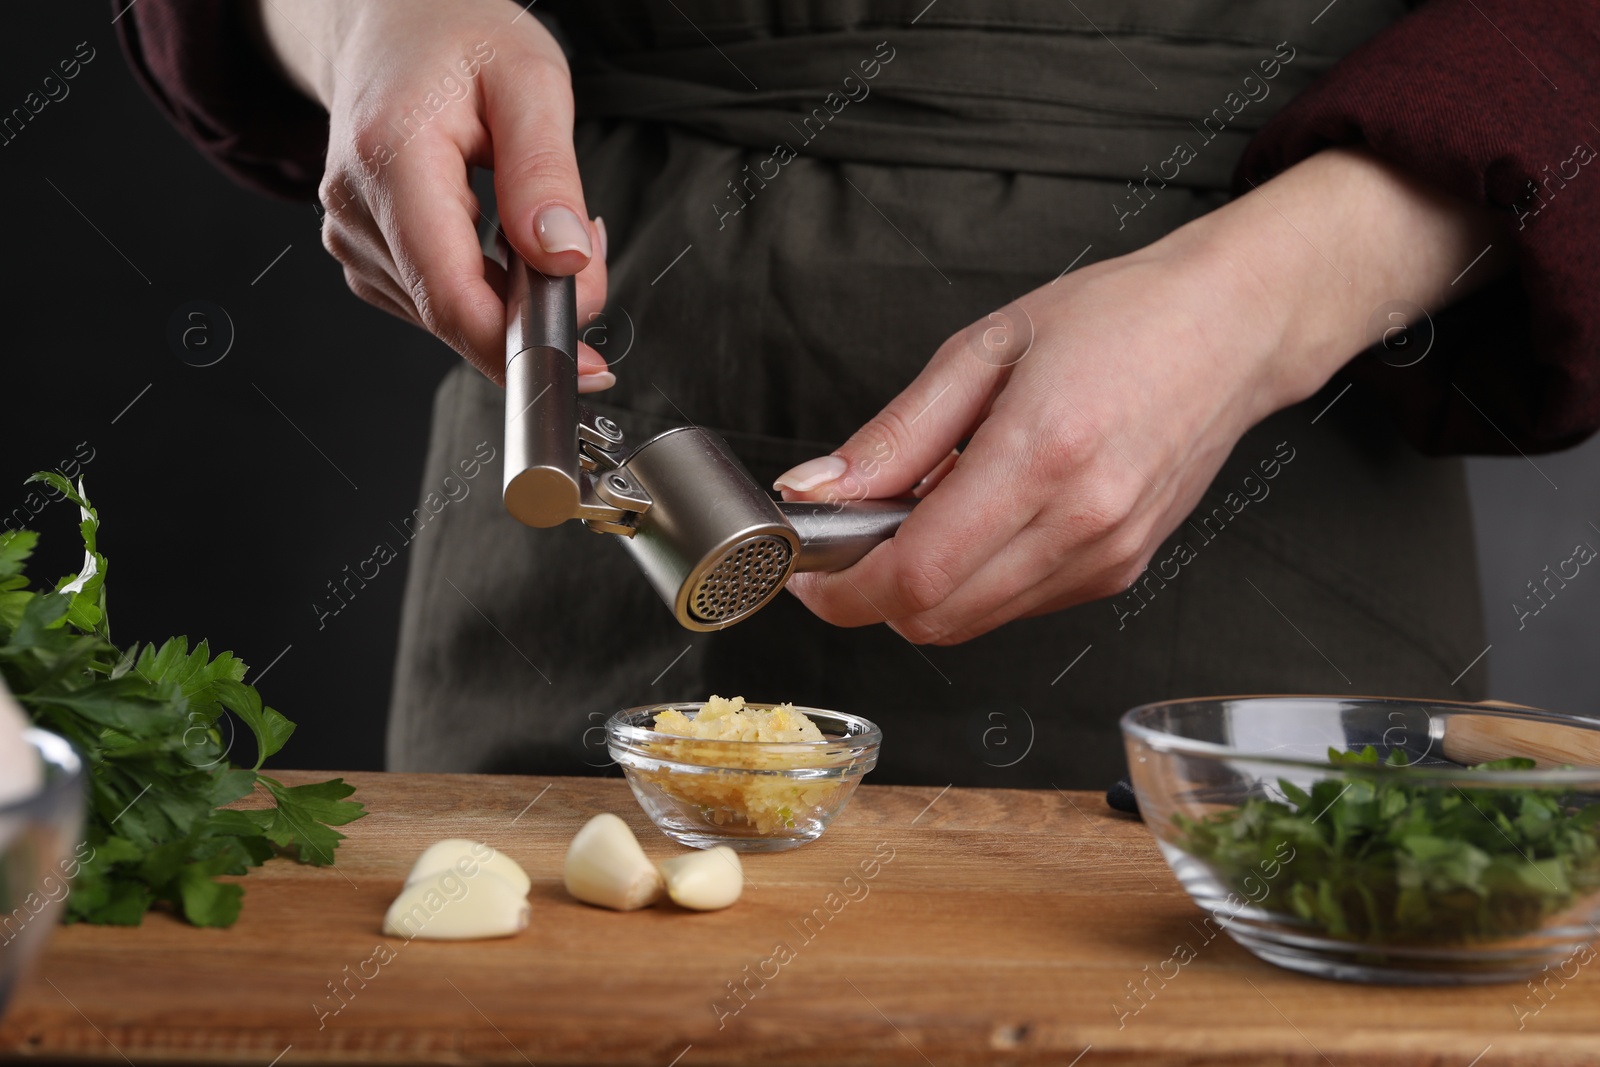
449, 907
467, 858
605, 866
704, 881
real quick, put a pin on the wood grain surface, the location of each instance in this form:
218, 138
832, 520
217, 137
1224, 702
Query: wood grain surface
996, 927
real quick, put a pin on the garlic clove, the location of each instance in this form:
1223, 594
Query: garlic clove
606, 866
450, 907
704, 881
467, 858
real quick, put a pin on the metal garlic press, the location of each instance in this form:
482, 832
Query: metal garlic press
712, 542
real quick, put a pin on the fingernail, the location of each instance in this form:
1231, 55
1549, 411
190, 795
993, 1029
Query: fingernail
560, 230
594, 383
600, 226
812, 473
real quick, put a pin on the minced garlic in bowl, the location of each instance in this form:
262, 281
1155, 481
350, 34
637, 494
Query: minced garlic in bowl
757, 777
724, 719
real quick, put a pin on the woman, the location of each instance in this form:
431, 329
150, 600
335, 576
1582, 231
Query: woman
1172, 477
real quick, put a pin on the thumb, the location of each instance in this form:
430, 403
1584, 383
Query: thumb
528, 109
909, 438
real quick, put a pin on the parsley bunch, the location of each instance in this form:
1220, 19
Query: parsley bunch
146, 719
1382, 858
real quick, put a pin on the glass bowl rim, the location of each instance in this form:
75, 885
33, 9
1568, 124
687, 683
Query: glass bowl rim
57, 754
618, 728
1168, 743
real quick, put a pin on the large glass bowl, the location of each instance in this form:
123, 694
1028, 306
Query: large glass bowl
1429, 872
40, 851
753, 796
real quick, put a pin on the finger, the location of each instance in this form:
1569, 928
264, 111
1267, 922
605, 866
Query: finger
591, 298
937, 475
1040, 565
969, 518
910, 436
592, 279
528, 109
354, 240
428, 214
380, 297
1105, 567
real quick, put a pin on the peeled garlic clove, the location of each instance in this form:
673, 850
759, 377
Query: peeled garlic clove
449, 907
468, 857
606, 866
704, 881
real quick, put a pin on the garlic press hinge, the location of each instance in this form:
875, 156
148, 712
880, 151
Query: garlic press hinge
612, 499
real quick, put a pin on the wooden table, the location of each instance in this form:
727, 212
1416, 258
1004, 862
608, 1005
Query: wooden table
998, 927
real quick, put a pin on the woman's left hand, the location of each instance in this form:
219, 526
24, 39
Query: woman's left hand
1100, 406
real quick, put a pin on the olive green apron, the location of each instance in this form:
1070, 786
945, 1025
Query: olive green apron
803, 201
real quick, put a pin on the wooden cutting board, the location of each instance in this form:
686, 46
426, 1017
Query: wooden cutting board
997, 926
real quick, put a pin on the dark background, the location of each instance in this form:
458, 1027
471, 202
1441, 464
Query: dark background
221, 520
231, 494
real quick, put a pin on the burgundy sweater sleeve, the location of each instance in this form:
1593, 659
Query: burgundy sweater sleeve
1496, 101
202, 62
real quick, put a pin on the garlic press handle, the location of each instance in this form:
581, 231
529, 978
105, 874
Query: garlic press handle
835, 536
542, 486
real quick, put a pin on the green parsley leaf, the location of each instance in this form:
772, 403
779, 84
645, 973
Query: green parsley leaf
304, 815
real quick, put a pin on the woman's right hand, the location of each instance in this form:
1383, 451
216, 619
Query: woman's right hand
417, 93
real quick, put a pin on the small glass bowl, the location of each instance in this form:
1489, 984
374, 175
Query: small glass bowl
40, 849
753, 796
1427, 873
